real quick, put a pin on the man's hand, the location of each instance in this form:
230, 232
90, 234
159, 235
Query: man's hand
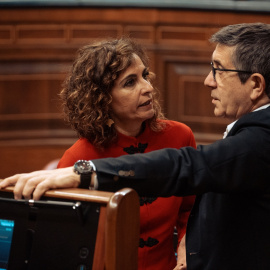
34, 185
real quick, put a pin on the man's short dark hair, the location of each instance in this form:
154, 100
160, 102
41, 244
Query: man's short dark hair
252, 48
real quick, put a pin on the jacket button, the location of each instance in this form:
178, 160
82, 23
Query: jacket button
121, 173
126, 173
115, 178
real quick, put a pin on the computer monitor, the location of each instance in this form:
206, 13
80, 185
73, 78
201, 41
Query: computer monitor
49, 235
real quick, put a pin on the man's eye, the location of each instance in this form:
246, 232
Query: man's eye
219, 71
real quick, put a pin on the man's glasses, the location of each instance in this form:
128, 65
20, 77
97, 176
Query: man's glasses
224, 69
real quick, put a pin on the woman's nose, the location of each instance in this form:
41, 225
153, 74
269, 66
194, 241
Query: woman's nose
147, 86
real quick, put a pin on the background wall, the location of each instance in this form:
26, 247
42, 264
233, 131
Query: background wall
38, 44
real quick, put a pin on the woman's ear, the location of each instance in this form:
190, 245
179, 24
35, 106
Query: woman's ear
258, 86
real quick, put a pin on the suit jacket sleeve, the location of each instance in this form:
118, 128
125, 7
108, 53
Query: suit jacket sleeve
238, 163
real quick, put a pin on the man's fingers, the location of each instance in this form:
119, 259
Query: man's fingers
41, 188
38, 182
60, 178
17, 181
10, 181
24, 187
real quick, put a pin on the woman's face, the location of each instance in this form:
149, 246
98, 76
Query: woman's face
132, 97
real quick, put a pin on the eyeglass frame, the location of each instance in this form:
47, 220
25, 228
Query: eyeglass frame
225, 69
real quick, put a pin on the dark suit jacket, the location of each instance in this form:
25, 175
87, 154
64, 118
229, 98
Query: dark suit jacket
229, 226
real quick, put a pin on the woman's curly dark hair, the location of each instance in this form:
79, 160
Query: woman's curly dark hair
86, 92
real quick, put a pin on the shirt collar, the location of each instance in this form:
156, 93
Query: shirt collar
230, 126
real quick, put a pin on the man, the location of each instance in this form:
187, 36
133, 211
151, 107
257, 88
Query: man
229, 226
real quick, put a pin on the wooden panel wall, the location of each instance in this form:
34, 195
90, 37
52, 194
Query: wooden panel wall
37, 46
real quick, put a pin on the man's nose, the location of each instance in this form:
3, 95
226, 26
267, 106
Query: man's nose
209, 80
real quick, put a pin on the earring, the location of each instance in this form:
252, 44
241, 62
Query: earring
110, 122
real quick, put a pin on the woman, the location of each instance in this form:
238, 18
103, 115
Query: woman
110, 101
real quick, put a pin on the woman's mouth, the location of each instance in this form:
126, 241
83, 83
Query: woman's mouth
146, 103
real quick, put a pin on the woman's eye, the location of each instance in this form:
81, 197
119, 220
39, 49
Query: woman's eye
146, 75
129, 82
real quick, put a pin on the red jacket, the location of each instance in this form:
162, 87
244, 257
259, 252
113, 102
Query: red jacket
158, 216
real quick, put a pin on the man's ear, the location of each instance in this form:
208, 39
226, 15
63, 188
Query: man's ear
258, 86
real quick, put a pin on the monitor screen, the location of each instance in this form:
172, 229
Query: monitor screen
6, 233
